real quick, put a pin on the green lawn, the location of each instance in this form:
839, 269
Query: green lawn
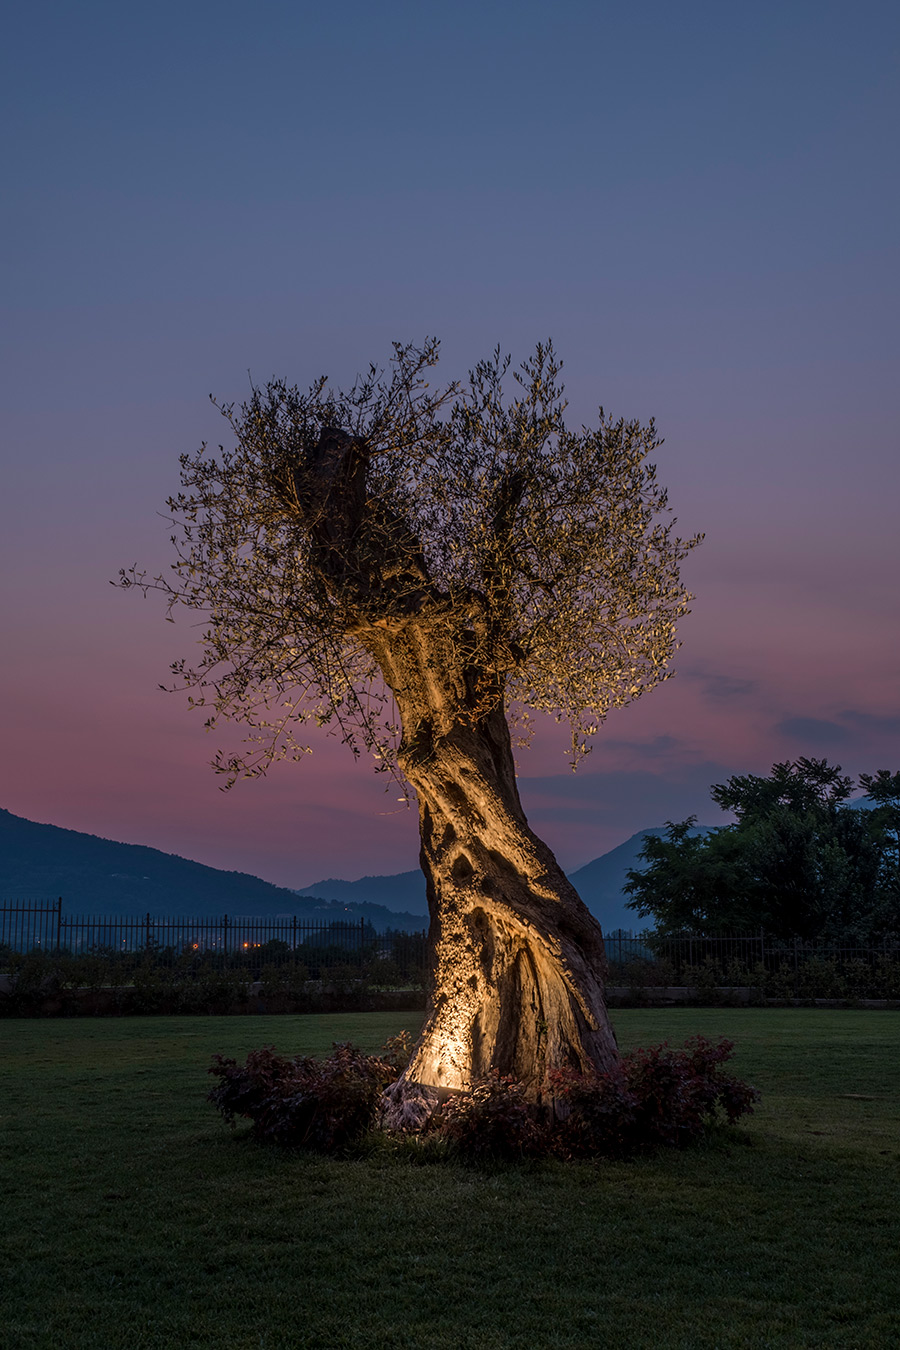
133, 1218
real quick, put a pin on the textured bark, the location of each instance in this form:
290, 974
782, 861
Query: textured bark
517, 960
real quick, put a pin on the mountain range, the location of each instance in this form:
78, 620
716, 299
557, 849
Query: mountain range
39, 863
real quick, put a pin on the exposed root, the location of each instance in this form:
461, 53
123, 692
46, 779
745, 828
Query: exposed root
406, 1107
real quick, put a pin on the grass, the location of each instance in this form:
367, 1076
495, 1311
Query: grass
132, 1217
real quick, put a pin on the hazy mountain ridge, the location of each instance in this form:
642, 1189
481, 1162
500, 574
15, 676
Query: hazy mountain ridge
406, 889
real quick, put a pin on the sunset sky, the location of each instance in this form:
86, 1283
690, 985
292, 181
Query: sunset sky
697, 201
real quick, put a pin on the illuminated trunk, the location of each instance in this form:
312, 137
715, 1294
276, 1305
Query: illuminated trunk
516, 959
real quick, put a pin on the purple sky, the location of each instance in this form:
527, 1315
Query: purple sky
698, 202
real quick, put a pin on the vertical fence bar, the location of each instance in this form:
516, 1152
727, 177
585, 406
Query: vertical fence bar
796, 970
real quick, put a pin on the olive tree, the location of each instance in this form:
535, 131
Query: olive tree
422, 570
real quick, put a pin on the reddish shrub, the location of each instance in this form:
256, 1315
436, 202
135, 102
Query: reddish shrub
397, 1051
244, 1088
322, 1104
653, 1097
491, 1119
599, 1113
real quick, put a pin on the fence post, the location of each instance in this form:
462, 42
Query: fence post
294, 937
225, 934
796, 970
147, 942
59, 923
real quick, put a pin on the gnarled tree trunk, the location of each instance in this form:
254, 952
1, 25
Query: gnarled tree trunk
517, 960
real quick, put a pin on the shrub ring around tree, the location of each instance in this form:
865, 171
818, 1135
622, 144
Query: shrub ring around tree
660, 1096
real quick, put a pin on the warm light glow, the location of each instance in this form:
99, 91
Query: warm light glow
448, 1062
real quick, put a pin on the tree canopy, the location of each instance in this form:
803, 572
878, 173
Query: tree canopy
549, 551
799, 861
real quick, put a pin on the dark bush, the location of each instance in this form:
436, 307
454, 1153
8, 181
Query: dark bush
653, 1097
244, 1089
598, 1116
492, 1119
312, 1103
397, 1051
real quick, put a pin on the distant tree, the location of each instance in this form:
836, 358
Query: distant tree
798, 861
808, 785
407, 566
883, 788
687, 878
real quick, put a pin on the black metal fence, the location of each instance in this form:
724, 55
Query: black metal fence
776, 967
228, 941
747, 950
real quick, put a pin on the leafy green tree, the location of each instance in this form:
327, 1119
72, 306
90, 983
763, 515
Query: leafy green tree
688, 874
804, 787
797, 862
408, 566
883, 788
